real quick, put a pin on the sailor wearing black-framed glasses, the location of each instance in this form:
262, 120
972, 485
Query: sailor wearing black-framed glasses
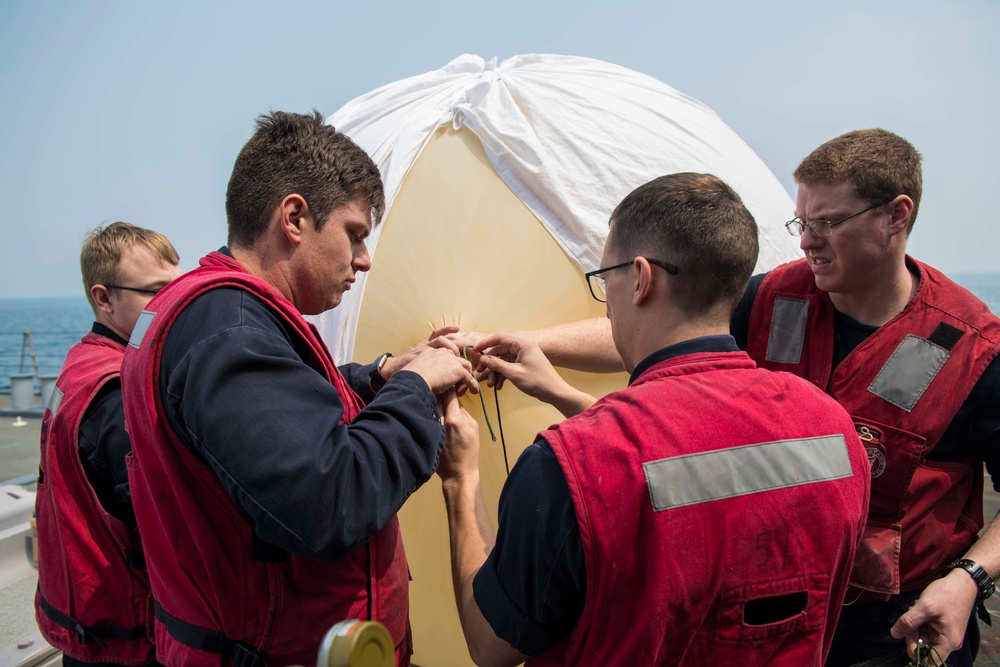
152, 291
595, 279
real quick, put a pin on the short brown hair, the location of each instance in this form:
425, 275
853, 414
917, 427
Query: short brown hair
297, 154
697, 223
879, 164
104, 247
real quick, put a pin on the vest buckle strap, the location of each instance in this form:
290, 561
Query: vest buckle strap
83, 636
245, 655
93, 633
206, 639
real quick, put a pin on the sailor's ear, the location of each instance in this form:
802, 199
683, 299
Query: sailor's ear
292, 212
900, 212
101, 296
643, 284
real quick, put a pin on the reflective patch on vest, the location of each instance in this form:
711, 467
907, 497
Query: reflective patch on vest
55, 400
788, 330
141, 327
910, 369
740, 471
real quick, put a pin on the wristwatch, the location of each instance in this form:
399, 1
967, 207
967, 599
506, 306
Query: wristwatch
983, 580
375, 377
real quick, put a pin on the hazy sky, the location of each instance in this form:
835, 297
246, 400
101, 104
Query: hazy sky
135, 111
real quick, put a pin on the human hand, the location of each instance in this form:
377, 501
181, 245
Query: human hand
442, 369
940, 616
521, 360
518, 359
465, 342
464, 339
460, 456
439, 338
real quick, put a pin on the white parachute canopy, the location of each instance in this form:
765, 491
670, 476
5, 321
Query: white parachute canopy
569, 136
474, 156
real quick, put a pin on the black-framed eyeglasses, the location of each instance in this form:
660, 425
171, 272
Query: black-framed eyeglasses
823, 228
140, 290
596, 281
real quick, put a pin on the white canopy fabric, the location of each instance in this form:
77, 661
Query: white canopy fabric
569, 136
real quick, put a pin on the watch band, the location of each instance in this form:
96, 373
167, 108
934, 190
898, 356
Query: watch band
982, 578
375, 377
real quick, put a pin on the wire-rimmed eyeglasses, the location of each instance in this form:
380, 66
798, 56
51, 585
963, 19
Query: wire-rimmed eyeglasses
596, 281
140, 290
824, 228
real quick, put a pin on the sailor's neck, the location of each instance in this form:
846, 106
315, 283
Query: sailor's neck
882, 302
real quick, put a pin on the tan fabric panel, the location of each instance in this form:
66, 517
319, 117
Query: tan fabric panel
459, 248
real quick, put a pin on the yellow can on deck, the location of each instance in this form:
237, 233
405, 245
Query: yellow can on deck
356, 643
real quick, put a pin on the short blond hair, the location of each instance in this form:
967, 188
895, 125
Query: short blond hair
104, 247
879, 165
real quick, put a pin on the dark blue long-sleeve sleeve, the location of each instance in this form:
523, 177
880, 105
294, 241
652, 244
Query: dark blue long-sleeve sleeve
238, 393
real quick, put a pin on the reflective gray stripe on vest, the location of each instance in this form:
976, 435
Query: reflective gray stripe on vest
739, 471
788, 330
910, 369
141, 327
55, 399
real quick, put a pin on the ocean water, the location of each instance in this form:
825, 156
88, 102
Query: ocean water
984, 285
57, 323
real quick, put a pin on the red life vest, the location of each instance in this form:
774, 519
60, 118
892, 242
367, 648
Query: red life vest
707, 493
903, 386
93, 593
208, 588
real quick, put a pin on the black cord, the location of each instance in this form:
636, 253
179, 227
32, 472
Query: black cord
503, 443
